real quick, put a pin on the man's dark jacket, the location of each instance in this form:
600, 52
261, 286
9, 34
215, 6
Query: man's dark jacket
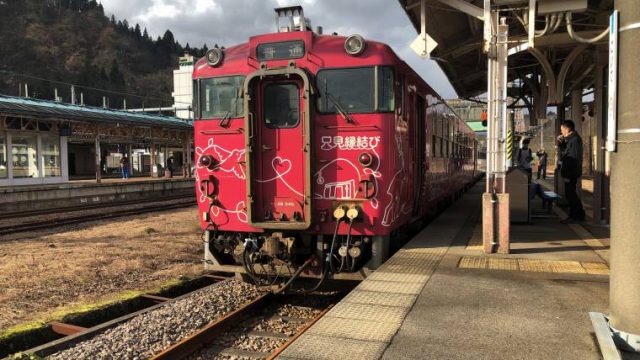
571, 156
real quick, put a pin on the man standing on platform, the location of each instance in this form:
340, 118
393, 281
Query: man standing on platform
542, 164
570, 146
124, 165
524, 157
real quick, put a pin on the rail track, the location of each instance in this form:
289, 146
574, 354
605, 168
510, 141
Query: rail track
105, 211
227, 319
261, 329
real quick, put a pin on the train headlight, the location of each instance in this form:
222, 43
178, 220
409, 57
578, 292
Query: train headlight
207, 161
365, 159
354, 45
214, 57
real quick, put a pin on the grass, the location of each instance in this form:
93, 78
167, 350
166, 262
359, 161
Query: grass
80, 309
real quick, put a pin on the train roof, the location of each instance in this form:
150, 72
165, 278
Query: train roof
321, 51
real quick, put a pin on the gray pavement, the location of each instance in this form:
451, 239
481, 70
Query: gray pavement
466, 313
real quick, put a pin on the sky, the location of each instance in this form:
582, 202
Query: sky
230, 22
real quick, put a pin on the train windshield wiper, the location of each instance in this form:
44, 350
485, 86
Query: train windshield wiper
226, 119
345, 115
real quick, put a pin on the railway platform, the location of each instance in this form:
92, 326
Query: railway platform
87, 193
440, 297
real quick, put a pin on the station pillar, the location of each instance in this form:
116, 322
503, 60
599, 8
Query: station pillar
98, 159
495, 201
624, 295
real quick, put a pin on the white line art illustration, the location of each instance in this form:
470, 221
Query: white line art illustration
229, 162
396, 207
286, 163
347, 188
239, 211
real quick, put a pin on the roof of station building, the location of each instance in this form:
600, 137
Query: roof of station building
17, 106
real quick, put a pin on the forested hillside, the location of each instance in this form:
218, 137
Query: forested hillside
49, 44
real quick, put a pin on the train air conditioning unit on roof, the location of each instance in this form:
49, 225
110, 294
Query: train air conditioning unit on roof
295, 20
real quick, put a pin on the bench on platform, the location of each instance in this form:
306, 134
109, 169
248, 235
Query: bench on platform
548, 197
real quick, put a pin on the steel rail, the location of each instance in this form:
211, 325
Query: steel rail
115, 213
295, 337
79, 336
70, 209
208, 333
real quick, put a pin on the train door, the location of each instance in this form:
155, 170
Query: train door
278, 151
420, 153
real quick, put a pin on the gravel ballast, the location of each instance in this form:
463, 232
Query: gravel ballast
154, 331
285, 319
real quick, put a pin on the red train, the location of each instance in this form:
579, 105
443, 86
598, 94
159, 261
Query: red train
314, 150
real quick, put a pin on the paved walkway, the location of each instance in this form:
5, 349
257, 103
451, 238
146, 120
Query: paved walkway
426, 302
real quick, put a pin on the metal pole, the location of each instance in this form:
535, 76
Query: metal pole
153, 160
624, 293
98, 163
501, 104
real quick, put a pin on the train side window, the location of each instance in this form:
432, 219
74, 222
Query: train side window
281, 106
433, 146
195, 98
400, 91
386, 98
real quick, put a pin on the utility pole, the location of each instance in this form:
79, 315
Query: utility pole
624, 293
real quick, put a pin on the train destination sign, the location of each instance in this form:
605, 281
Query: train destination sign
280, 50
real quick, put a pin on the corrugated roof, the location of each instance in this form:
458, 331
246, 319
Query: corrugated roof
17, 106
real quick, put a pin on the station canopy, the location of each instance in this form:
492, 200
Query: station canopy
43, 109
460, 43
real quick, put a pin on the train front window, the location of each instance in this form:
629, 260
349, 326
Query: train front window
281, 106
351, 89
220, 98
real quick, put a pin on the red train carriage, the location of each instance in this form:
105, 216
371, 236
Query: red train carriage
313, 149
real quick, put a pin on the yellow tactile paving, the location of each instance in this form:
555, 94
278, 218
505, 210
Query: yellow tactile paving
503, 264
473, 262
533, 265
383, 275
596, 268
380, 298
572, 267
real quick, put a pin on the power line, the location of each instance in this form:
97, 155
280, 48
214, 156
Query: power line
87, 87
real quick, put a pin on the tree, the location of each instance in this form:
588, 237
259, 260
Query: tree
115, 76
168, 42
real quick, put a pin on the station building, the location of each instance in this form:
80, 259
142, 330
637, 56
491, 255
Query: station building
47, 142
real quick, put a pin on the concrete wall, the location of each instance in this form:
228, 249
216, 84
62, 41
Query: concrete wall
78, 194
